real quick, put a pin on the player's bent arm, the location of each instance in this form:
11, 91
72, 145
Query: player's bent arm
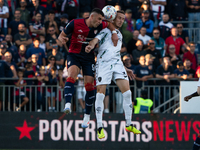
115, 38
93, 42
62, 37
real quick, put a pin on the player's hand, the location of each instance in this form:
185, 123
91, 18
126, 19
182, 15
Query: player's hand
88, 48
63, 39
187, 98
130, 74
115, 39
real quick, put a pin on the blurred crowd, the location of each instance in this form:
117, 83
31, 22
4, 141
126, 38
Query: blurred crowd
153, 46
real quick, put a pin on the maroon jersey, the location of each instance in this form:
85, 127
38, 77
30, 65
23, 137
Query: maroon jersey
81, 34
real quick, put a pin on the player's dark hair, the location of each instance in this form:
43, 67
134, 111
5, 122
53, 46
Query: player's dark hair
144, 94
121, 11
51, 12
98, 11
186, 60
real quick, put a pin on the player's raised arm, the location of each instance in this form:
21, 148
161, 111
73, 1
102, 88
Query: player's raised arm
115, 38
91, 45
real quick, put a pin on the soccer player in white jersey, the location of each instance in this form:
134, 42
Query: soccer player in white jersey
110, 67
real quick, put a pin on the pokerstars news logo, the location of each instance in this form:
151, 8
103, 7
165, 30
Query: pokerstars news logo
25, 131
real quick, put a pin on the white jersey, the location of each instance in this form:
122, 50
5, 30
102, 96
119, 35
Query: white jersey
107, 50
3, 21
109, 65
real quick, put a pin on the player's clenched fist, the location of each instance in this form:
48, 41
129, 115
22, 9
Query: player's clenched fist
63, 39
88, 48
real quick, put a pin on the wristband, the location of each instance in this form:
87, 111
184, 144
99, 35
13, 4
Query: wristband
114, 32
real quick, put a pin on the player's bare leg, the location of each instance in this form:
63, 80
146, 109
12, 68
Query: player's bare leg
99, 107
73, 72
89, 99
127, 104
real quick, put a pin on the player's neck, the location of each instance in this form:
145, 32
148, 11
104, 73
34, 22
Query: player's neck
88, 22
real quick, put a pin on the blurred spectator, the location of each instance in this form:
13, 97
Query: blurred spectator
37, 8
8, 60
29, 73
85, 5
51, 22
149, 63
3, 50
51, 38
4, 67
22, 59
174, 59
64, 21
160, 42
193, 15
41, 91
145, 7
8, 39
36, 67
165, 27
127, 64
154, 52
48, 4
192, 56
142, 73
100, 4
117, 7
25, 14
145, 22
4, 14
38, 51
42, 43
180, 72
52, 63
85, 14
21, 37
175, 40
81, 92
182, 33
142, 104
178, 10
2, 37
128, 26
165, 72
158, 7
138, 52
131, 43
19, 91
70, 7
13, 25
36, 26
142, 36
187, 66
58, 55
51, 94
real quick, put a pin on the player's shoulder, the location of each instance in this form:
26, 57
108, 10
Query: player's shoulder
79, 20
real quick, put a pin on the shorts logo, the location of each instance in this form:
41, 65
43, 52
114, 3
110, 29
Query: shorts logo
131, 106
99, 79
69, 62
98, 109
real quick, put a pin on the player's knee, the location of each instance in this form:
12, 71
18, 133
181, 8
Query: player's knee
89, 86
127, 94
70, 79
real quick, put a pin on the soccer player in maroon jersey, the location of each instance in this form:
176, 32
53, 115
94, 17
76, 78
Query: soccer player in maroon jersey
82, 31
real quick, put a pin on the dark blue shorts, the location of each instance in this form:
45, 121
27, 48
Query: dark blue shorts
84, 62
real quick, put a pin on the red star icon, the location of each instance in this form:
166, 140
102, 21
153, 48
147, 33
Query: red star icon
25, 130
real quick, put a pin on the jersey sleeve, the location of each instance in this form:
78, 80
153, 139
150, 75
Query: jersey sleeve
69, 27
101, 34
104, 24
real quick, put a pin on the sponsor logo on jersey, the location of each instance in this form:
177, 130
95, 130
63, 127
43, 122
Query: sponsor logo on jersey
80, 30
69, 62
99, 79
